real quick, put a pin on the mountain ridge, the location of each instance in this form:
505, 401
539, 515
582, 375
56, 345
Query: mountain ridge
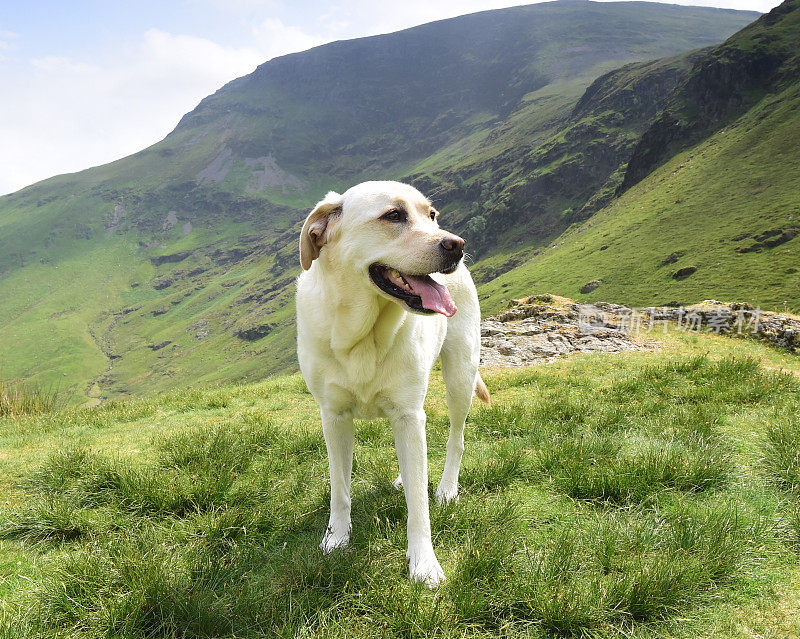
722, 87
175, 265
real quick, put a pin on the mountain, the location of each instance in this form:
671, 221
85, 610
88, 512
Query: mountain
574, 165
176, 265
759, 60
709, 204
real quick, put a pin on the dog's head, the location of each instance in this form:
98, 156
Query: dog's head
385, 234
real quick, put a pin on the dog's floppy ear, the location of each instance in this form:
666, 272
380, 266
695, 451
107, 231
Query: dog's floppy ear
315, 230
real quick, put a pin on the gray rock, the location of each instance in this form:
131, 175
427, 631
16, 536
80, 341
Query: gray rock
588, 288
683, 273
544, 329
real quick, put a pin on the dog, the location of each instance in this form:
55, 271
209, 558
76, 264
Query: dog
384, 291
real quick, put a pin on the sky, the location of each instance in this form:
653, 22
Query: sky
85, 82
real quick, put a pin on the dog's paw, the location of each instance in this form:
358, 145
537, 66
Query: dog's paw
334, 539
398, 483
446, 494
424, 568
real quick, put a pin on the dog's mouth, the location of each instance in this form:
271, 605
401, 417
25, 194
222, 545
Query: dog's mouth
421, 293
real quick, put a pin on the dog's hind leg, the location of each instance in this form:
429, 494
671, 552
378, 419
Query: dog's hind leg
339, 439
460, 371
460, 357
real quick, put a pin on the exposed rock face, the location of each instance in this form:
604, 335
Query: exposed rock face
544, 328
267, 174
114, 221
158, 260
219, 167
770, 239
162, 283
780, 329
683, 273
170, 221
254, 333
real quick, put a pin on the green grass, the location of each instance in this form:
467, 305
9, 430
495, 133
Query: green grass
25, 398
782, 453
704, 204
641, 494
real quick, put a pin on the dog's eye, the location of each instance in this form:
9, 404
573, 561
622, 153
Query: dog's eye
395, 215
433, 215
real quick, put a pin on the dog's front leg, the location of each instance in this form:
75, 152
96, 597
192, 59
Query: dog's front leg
412, 455
338, 431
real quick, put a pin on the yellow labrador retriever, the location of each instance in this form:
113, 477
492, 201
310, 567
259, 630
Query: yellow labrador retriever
385, 292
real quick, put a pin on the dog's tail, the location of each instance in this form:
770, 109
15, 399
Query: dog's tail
482, 392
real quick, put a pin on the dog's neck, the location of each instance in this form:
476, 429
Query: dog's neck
363, 324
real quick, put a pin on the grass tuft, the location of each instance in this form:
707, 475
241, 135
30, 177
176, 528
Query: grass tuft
18, 398
47, 520
782, 452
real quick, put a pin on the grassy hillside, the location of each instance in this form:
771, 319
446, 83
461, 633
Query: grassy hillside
572, 163
175, 265
645, 494
727, 207
761, 59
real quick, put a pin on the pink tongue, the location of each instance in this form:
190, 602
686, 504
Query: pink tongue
435, 297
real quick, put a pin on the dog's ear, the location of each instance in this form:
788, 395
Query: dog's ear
315, 230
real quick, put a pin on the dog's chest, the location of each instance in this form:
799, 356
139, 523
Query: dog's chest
371, 401
370, 380
365, 382
366, 366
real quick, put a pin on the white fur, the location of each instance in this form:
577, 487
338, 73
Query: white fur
363, 354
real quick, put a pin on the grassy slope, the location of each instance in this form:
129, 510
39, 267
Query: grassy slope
563, 145
635, 492
742, 181
63, 292
760, 59
57, 315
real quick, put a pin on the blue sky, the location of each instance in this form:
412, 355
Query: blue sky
88, 81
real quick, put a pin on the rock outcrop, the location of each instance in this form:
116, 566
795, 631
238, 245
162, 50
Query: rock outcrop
779, 329
544, 328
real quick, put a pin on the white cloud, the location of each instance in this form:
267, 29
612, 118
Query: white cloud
194, 60
274, 38
7, 43
6, 38
63, 65
63, 115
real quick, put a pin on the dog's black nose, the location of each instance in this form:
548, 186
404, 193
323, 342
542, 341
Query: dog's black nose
453, 246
